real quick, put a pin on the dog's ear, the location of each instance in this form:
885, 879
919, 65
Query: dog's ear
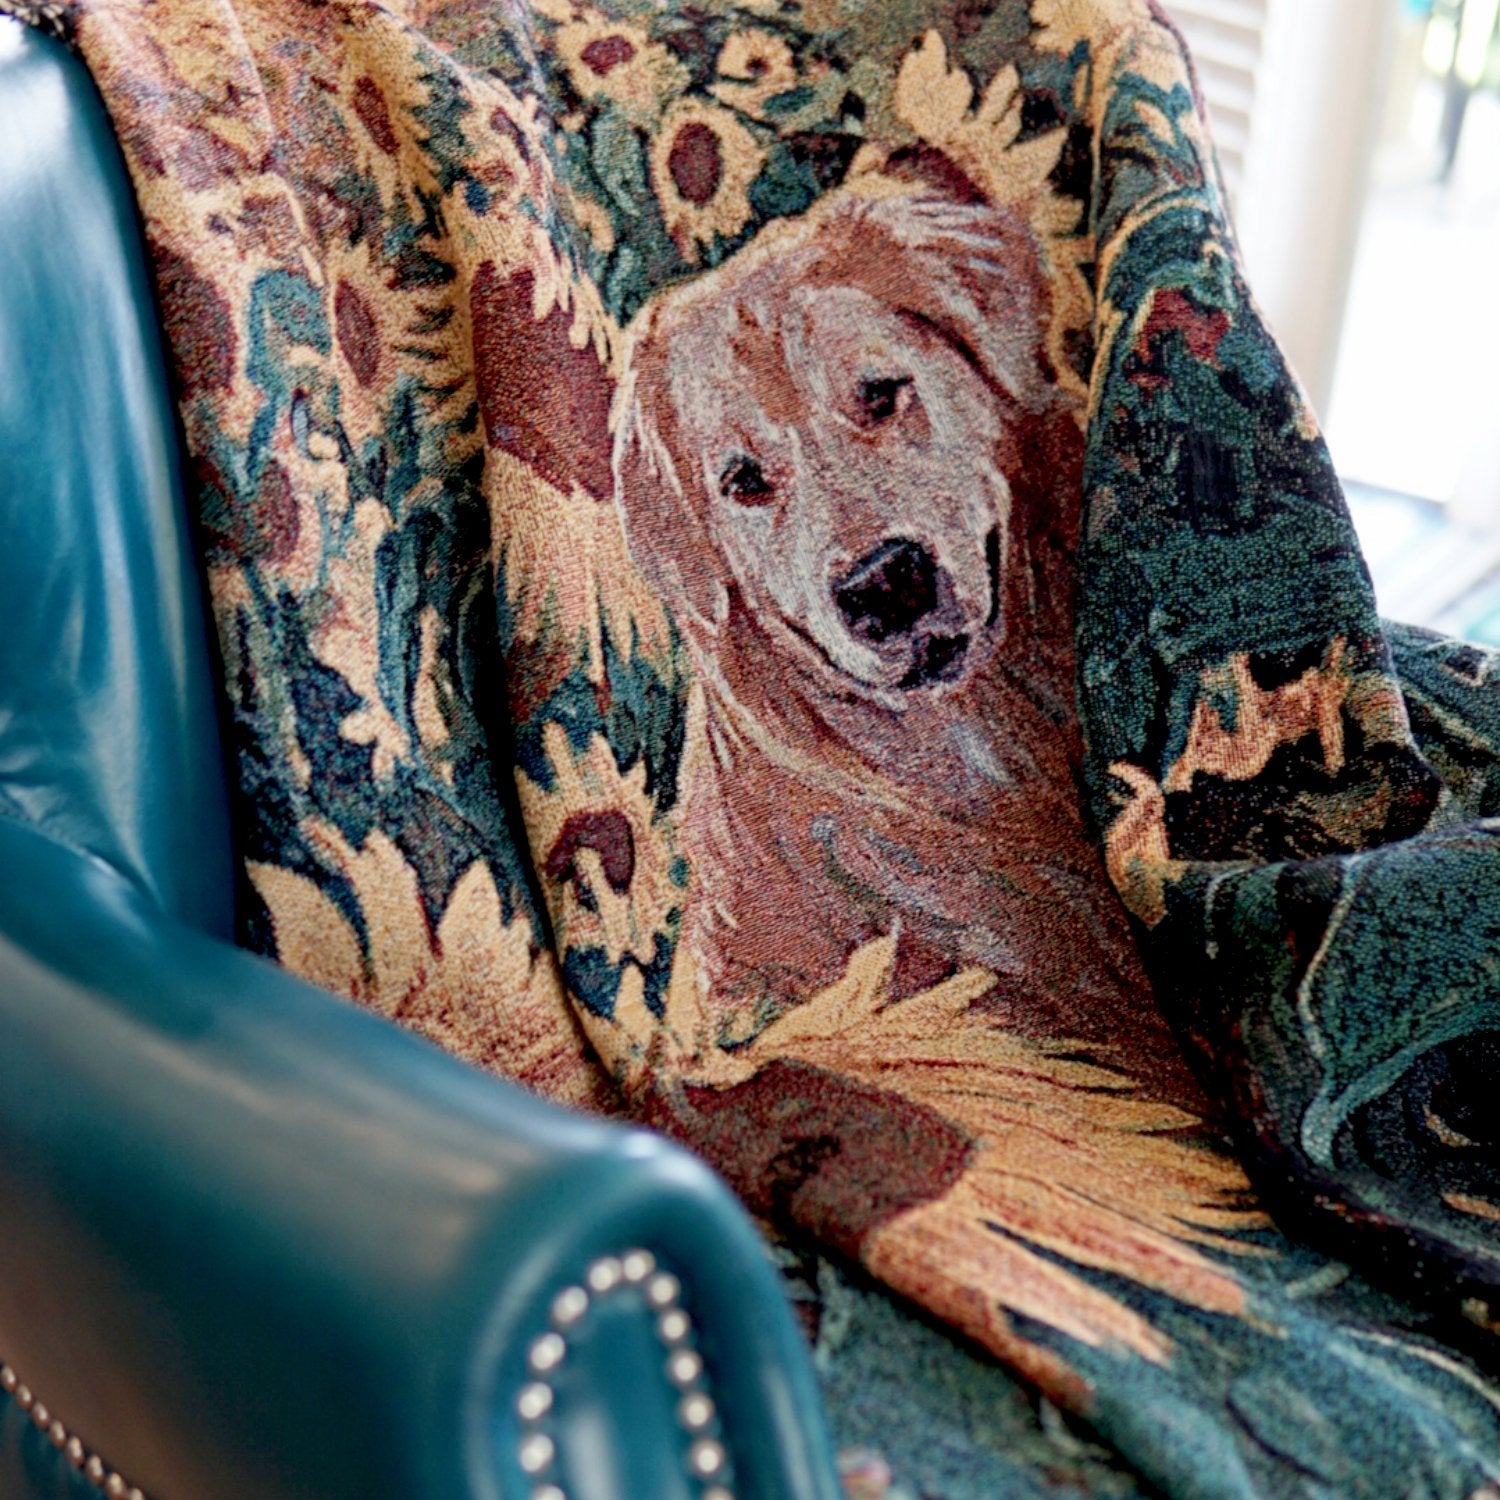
660, 507
970, 269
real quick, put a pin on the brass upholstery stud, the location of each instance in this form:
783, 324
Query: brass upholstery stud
706, 1457
93, 1468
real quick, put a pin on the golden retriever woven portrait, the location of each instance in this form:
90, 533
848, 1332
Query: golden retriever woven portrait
844, 463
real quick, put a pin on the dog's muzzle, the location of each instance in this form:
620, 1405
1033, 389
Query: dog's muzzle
899, 601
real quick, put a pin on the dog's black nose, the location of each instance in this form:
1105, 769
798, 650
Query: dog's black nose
889, 591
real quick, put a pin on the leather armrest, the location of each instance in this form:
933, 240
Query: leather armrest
255, 1242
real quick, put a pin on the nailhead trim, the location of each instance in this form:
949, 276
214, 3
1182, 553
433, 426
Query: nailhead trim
707, 1460
537, 1452
46, 15
90, 1465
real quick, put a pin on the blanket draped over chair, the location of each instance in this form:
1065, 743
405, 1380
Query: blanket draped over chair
768, 573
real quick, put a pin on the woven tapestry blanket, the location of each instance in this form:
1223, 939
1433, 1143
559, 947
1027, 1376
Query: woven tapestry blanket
770, 576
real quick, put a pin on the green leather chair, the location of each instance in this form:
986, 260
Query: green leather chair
255, 1242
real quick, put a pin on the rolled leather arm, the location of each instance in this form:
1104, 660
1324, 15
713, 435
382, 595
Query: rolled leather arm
255, 1242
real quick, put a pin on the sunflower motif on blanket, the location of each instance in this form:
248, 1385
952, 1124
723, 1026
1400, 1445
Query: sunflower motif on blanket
738, 533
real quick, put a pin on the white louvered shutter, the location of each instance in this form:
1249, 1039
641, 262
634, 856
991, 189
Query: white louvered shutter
1227, 38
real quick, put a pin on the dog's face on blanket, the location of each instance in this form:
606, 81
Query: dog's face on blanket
823, 428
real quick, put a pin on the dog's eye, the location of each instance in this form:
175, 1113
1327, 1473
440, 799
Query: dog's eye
743, 480
881, 399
